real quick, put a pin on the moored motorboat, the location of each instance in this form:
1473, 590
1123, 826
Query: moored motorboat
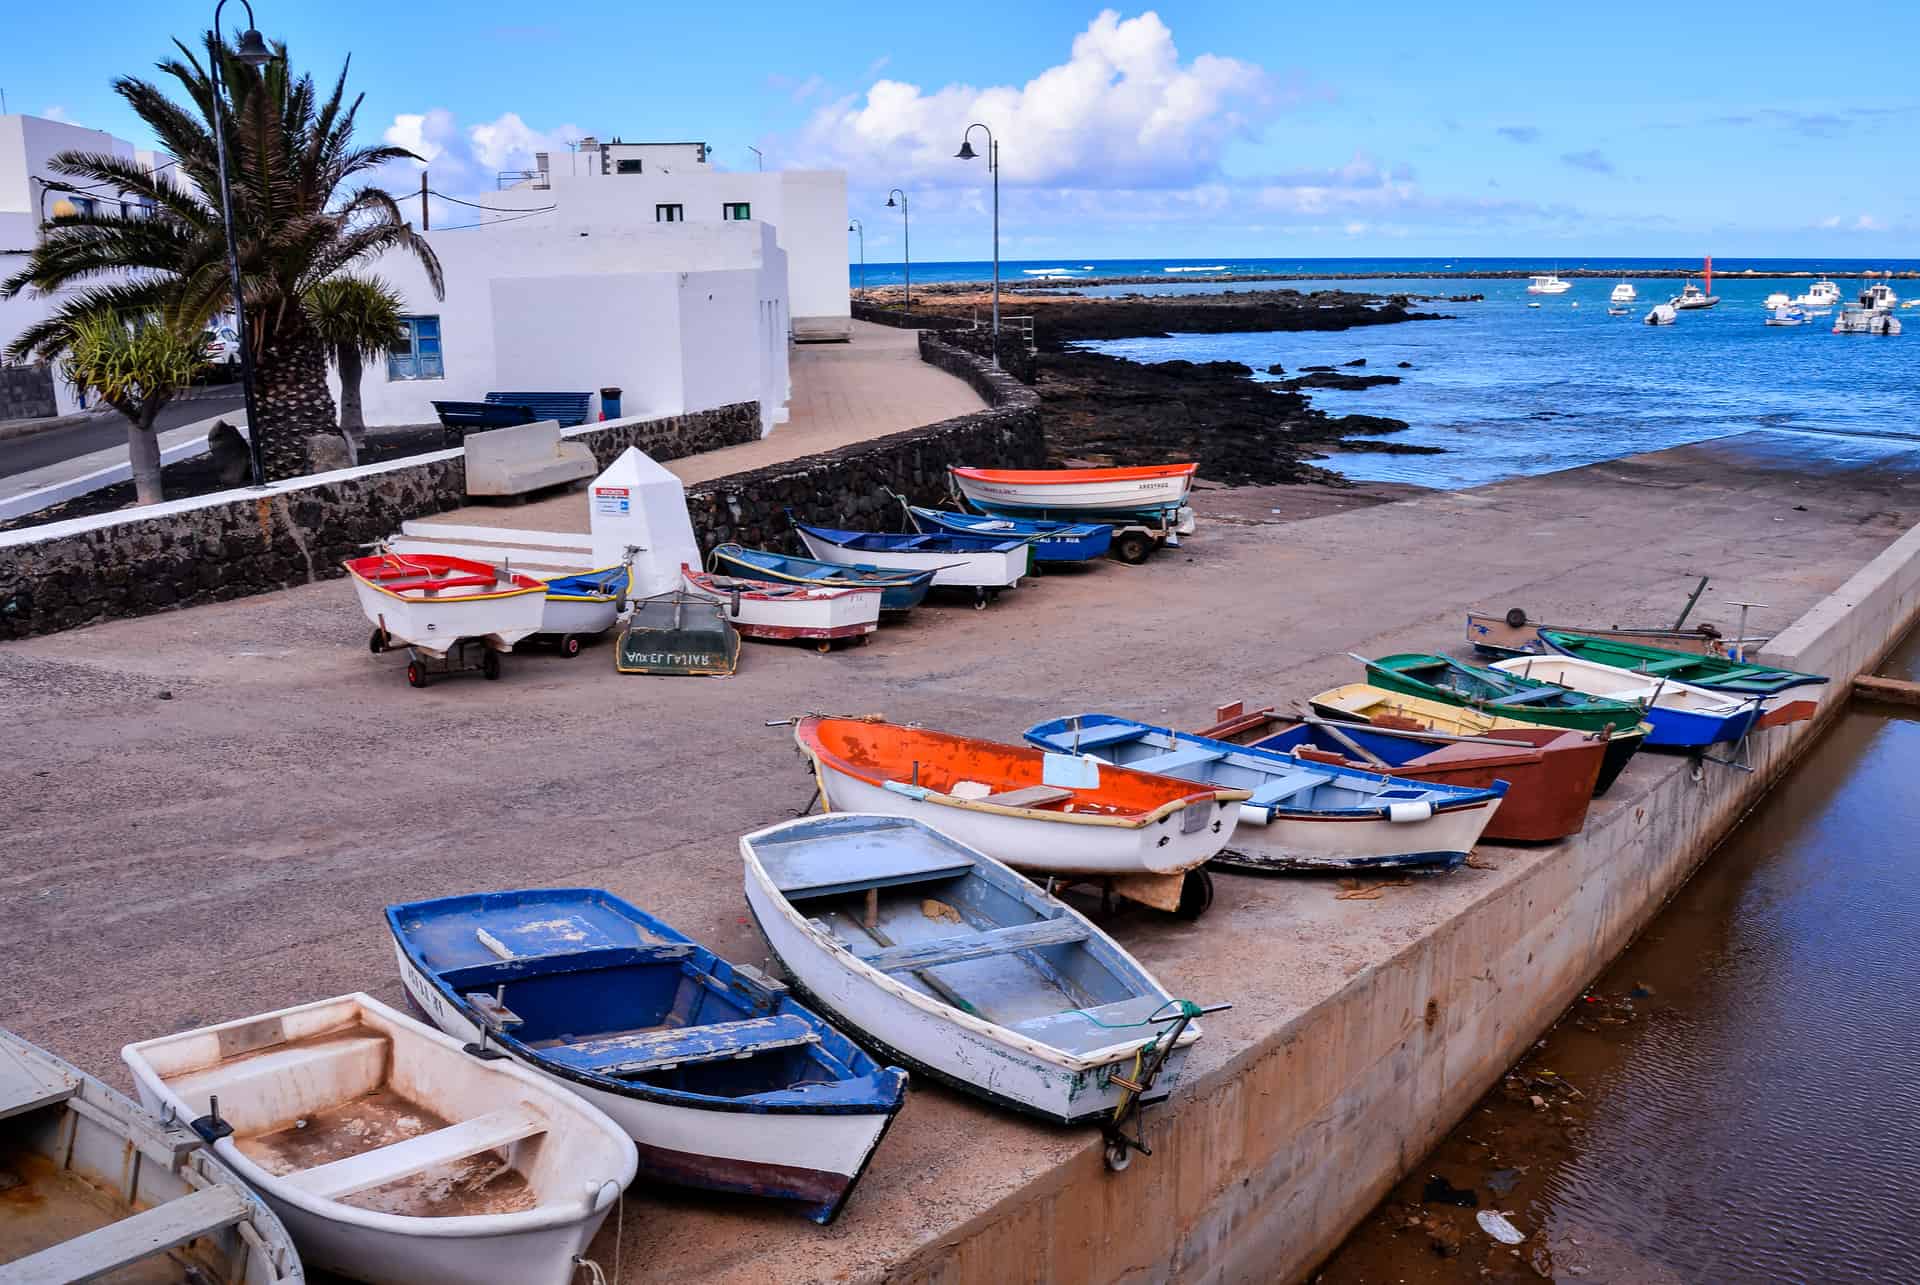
1682, 716
1777, 300
1623, 293
390, 1153
1141, 489
721, 1078
899, 590
1821, 294
1715, 672
1380, 707
1513, 695
769, 609
1865, 321
1548, 284
430, 601
1661, 314
1301, 814
1149, 835
949, 962
1051, 541
584, 606
985, 564
1786, 316
1692, 296
1550, 773
97, 1189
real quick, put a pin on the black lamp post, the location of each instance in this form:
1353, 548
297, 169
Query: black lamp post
906, 242
857, 226
252, 51
966, 153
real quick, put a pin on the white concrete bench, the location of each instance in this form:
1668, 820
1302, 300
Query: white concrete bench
514, 461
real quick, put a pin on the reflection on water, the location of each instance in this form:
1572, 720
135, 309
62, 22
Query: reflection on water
1754, 1114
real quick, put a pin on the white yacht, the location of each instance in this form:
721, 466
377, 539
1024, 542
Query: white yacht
1821, 294
1776, 301
1786, 315
1879, 295
1692, 296
1623, 293
1866, 321
1549, 284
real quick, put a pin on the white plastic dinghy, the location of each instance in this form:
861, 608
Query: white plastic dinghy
391, 1153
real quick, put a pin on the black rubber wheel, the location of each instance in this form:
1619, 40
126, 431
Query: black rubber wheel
1133, 547
1516, 618
1196, 894
378, 642
569, 647
1119, 1156
824, 646
416, 674
490, 665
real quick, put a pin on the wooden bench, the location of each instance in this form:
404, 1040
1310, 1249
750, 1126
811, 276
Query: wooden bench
569, 409
1029, 796
1176, 760
620, 1055
382, 1165
121, 1244
996, 941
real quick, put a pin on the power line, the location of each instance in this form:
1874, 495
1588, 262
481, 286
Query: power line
495, 209
487, 223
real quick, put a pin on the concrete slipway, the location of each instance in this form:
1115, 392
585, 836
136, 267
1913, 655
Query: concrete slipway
225, 851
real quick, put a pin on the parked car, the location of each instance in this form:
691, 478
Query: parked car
221, 348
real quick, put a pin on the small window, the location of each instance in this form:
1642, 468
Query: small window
626, 167
416, 354
736, 210
669, 214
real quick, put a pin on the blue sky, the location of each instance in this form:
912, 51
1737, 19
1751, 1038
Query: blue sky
1220, 128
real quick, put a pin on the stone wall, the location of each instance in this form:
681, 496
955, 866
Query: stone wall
26, 392
1014, 356
675, 436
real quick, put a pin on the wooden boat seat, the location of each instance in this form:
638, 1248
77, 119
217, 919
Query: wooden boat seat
1175, 761
1099, 737
1286, 786
678, 1045
996, 941
382, 1165
1666, 666
1528, 698
441, 582
1029, 796
121, 1244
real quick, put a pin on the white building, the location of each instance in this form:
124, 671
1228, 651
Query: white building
31, 193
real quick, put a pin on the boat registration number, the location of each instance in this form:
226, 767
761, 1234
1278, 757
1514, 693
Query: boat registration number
1193, 817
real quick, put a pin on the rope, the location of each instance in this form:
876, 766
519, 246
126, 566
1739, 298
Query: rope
1180, 1008
596, 1275
487, 223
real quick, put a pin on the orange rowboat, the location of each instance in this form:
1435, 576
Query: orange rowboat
1153, 488
1052, 813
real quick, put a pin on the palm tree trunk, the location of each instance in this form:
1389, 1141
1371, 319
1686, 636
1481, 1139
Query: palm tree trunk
143, 453
290, 389
353, 422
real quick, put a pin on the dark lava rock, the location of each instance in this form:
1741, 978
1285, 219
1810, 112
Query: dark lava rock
1406, 365
1369, 424
1276, 369
1334, 379
1357, 361
1317, 369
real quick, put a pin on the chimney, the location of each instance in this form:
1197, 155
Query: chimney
540, 161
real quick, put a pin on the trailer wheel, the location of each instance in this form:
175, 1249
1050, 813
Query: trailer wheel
1516, 618
980, 599
1196, 894
490, 665
1133, 547
1119, 1156
824, 646
416, 674
569, 647
378, 642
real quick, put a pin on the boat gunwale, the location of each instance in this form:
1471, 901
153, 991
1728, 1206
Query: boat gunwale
1075, 476
693, 576
471, 566
881, 577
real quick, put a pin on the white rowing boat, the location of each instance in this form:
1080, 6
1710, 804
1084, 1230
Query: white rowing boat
1146, 489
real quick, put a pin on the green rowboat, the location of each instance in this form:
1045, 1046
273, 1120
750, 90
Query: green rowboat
1442, 678
1716, 673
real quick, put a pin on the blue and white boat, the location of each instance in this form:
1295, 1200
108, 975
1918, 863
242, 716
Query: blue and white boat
584, 605
722, 1080
977, 562
1680, 715
1303, 815
900, 590
1052, 541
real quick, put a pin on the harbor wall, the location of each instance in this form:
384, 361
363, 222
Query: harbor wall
1264, 1164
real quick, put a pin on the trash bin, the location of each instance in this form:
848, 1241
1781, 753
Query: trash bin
609, 403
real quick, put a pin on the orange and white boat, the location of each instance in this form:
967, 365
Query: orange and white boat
1050, 813
1154, 488
430, 601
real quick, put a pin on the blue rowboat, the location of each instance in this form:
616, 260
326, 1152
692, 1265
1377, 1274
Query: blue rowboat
1052, 541
582, 605
975, 562
901, 590
721, 1078
1304, 814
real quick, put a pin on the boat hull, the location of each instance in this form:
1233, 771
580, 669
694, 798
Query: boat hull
1053, 541
1117, 491
1679, 715
898, 592
579, 615
1715, 672
434, 625
1304, 842
826, 615
966, 569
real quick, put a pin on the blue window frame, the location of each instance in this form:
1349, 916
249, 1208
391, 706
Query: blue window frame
416, 355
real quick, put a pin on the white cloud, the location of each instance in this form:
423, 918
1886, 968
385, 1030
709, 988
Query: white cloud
1122, 111
55, 113
468, 158
1867, 223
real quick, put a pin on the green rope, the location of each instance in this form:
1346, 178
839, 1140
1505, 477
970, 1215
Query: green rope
1184, 1007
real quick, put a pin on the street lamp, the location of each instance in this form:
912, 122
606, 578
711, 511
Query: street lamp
252, 51
966, 153
857, 226
906, 242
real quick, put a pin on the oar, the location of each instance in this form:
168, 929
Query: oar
1433, 734
1312, 719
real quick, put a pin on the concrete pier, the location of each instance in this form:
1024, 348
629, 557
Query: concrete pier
228, 849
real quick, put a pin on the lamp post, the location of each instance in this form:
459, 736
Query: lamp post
253, 52
966, 153
857, 226
906, 243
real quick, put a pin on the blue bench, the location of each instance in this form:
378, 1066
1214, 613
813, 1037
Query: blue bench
618, 1055
568, 408
457, 419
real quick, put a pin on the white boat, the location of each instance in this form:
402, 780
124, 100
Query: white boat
1786, 315
1679, 714
1777, 300
1661, 314
1866, 321
1549, 284
1155, 488
1692, 296
958, 967
583, 606
770, 609
1879, 295
431, 601
1821, 294
94, 1188
1624, 293
392, 1155
985, 564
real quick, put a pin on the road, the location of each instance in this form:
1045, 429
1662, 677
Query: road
51, 447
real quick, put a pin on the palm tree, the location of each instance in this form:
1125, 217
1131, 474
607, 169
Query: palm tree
135, 367
299, 219
357, 318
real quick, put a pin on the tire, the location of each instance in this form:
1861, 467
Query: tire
1133, 547
378, 642
979, 599
1516, 618
1196, 894
569, 647
490, 665
1119, 1156
416, 674
824, 646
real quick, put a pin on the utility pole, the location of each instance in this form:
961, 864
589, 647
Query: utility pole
426, 225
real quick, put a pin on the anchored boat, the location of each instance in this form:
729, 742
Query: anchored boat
721, 1078
1716, 673
900, 590
954, 965
1146, 834
772, 610
1682, 716
97, 1189
1300, 814
392, 1155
